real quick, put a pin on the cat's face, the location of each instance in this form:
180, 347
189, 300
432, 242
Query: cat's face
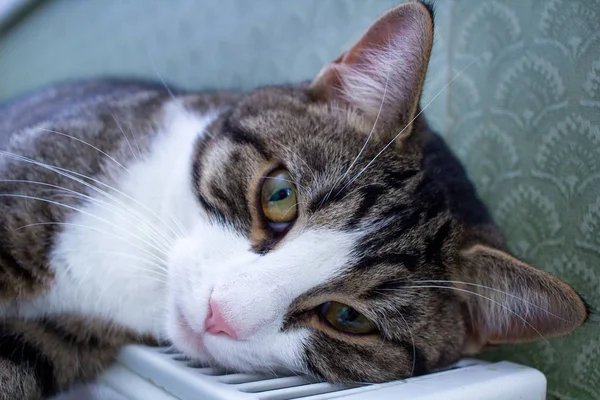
311, 232
353, 245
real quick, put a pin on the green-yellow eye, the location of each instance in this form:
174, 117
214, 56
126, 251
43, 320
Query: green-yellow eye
278, 198
345, 318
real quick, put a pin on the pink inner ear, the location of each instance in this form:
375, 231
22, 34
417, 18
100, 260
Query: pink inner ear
390, 59
515, 302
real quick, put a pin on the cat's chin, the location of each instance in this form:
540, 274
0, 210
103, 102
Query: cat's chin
186, 339
192, 338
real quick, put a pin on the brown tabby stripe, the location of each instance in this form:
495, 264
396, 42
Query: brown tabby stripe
326, 198
59, 351
15, 348
233, 131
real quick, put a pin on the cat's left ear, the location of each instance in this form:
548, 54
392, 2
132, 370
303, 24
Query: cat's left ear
510, 301
382, 75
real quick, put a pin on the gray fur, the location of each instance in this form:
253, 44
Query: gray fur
418, 216
117, 119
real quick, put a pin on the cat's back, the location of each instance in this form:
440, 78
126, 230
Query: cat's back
61, 100
59, 139
79, 165
61, 103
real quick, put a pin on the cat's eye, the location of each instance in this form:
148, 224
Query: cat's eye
345, 318
278, 199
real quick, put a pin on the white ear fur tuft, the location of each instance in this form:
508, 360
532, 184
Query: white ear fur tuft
383, 74
373, 87
510, 301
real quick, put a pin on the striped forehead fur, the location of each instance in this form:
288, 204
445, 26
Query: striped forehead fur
400, 212
413, 211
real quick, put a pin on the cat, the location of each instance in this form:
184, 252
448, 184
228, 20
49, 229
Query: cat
319, 228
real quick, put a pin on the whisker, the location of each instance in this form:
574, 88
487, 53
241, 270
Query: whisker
148, 273
176, 100
387, 79
86, 143
137, 145
483, 297
22, 196
409, 124
123, 132
72, 175
153, 233
170, 216
103, 192
154, 278
103, 204
178, 225
489, 288
161, 267
159, 259
295, 205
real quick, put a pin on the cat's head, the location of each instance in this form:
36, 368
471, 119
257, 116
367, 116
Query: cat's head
321, 246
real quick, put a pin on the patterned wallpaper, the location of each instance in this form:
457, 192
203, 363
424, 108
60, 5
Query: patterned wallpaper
525, 118
522, 109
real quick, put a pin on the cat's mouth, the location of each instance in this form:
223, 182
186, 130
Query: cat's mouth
192, 337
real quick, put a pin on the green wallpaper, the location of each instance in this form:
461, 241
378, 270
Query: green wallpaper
525, 118
223, 44
524, 113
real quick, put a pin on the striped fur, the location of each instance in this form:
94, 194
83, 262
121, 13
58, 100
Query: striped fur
126, 208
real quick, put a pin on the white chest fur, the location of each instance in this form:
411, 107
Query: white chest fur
109, 261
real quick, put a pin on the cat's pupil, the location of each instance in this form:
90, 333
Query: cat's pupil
347, 315
346, 318
281, 194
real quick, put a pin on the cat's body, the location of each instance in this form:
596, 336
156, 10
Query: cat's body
129, 213
137, 174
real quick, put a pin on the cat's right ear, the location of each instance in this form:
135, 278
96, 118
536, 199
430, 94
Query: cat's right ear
382, 75
510, 301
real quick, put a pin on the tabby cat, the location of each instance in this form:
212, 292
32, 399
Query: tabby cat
317, 228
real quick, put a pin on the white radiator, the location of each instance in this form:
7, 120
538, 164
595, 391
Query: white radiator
150, 373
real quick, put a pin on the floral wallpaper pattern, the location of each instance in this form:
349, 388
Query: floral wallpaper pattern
514, 85
525, 118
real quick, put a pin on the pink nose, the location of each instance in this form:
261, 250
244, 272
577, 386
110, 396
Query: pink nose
216, 324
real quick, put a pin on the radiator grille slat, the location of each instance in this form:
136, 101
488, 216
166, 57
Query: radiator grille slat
175, 375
